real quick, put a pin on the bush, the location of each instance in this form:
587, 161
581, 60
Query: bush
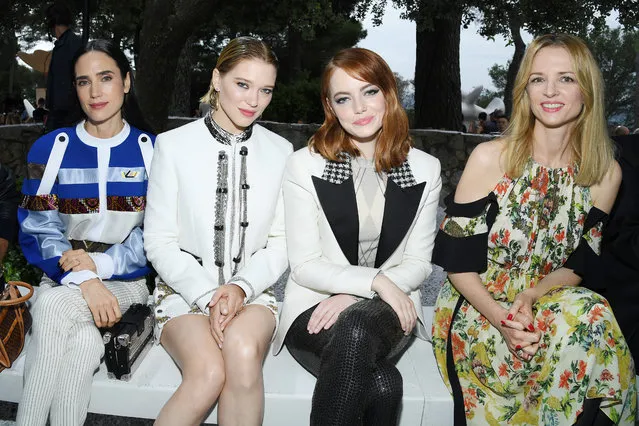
16, 268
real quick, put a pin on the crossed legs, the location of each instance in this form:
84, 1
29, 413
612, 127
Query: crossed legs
232, 374
65, 352
356, 382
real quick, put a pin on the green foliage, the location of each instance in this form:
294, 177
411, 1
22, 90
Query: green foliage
615, 51
16, 268
405, 91
497, 74
486, 96
297, 101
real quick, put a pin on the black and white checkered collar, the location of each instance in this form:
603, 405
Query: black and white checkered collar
224, 137
338, 172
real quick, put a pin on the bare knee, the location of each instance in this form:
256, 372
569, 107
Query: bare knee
203, 379
243, 359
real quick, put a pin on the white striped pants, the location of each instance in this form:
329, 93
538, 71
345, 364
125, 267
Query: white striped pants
65, 352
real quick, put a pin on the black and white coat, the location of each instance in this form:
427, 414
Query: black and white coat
322, 232
181, 208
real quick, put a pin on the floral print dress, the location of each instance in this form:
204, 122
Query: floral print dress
533, 225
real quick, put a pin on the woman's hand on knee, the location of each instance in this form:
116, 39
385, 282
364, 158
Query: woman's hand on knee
77, 260
102, 303
230, 300
215, 320
327, 312
398, 300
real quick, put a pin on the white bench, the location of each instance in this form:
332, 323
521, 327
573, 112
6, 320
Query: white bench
288, 388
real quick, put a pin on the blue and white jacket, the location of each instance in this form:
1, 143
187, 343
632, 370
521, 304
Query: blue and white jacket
80, 187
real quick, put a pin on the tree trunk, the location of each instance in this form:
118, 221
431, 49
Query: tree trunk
181, 99
437, 78
8, 46
637, 86
513, 68
166, 27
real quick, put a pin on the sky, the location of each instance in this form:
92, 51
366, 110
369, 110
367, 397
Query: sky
394, 40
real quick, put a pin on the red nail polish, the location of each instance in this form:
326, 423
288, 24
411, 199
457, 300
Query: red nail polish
510, 317
530, 327
518, 347
503, 322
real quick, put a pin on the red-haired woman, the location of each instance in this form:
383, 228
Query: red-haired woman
360, 207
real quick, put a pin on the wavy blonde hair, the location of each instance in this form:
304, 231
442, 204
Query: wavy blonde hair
592, 149
234, 52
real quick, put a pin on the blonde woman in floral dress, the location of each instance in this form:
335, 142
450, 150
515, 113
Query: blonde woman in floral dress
516, 339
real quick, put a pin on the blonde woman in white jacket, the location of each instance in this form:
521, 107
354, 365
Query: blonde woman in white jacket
214, 231
361, 209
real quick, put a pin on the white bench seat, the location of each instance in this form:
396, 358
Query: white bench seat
288, 388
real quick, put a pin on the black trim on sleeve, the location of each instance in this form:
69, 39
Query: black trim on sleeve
472, 209
466, 254
584, 261
579, 259
593, 217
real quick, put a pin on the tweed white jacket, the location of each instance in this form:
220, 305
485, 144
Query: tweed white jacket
181, 203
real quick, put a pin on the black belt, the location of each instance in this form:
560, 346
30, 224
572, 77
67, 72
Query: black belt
90, 246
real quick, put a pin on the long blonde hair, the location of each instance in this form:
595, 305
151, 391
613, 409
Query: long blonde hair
234, 52
592, 149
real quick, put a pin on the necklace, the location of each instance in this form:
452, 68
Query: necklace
221, 206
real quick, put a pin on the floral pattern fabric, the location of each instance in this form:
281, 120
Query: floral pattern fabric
582, 353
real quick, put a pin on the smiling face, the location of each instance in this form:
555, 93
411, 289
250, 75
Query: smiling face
358, 105
553, 90
244, 92
100, 87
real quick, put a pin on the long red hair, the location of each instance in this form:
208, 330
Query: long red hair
393, 141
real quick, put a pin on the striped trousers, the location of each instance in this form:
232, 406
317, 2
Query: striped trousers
65, 352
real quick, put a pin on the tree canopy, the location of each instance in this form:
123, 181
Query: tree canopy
175, 43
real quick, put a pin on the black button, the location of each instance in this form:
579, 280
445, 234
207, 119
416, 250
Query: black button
62, 139
144, 139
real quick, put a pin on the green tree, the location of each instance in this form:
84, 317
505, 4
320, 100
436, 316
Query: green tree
405, 91
614, 50
580, 17
16, 81
437, 81
499, 74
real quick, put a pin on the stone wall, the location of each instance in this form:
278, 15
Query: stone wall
15, 141
452, 148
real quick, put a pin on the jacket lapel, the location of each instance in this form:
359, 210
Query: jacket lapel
403, 195
336, 193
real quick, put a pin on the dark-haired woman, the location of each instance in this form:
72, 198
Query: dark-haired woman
360, 208
80, 221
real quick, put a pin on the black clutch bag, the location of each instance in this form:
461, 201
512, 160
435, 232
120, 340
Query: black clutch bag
128, 341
